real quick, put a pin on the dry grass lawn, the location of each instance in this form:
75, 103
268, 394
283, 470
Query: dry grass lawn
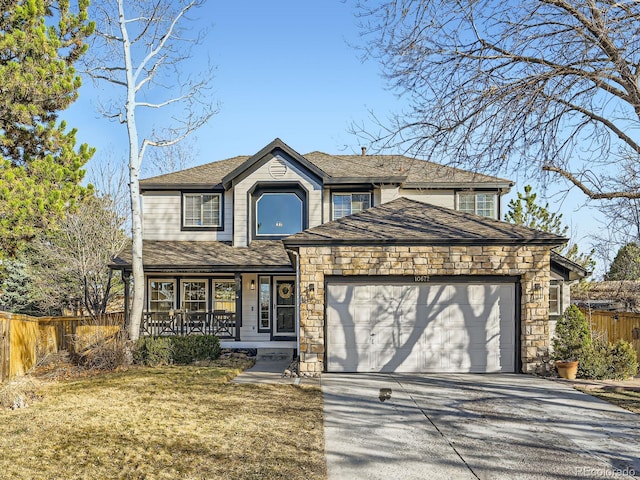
182, 422
625, 398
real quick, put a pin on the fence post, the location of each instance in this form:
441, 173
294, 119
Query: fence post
5, 354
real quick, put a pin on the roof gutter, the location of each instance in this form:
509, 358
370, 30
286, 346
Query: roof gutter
181, 186
466, 186
352, 180
207, 268
421, 242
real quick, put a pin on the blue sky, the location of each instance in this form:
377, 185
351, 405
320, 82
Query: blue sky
286, 69
283, 69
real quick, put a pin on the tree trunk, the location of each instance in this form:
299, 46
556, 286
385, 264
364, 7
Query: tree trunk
137, 307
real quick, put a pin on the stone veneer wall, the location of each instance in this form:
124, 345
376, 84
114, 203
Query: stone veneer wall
529, 262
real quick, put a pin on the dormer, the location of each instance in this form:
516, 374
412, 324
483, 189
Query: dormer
276, 193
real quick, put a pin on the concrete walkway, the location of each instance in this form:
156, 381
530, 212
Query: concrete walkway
473, 426
271, 371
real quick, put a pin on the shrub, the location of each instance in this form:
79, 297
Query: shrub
156, 351
195, 347
18, 393
604, 360
572, 335
99, 350
595, 361
624, 361
153, 351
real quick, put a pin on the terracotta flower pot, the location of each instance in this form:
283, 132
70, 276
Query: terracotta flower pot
567, 370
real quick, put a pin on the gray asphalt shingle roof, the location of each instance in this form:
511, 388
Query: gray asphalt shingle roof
215, 256
401, 222
337, 167
414, 170
207, 175
410, 222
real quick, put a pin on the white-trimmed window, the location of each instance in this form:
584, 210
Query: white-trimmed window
224, 295
484, 204
555, 304
349, 203
194, 295
162, 295
264, 297
202, 210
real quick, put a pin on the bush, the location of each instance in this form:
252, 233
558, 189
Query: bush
604, 360
195, 347
153, 351
624, 361
595, 361
572, 335
99, 351
156, 351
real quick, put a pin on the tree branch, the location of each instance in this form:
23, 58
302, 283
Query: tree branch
586, 190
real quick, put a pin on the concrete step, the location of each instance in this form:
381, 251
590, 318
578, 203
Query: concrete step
275, 354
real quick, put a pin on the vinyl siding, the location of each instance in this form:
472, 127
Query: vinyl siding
162, 218
262, 175
388, 193
326, 206
249, 329
440, 198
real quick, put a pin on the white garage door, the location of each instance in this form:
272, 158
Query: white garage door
466, 327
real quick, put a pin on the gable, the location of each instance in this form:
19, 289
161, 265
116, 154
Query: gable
279, 154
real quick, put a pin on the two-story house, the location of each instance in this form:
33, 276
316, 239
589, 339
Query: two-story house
357, 262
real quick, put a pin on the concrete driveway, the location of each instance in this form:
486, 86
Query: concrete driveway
473, 426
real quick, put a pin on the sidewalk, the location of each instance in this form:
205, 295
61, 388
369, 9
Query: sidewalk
632, 384
271, 372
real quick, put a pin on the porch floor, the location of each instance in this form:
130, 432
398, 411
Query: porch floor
271, 345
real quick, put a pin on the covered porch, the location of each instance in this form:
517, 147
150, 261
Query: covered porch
220, 323
246, 296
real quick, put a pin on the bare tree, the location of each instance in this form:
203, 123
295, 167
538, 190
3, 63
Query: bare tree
172, 158
109, 178
73, 261
544, 85
620, 225
142, 48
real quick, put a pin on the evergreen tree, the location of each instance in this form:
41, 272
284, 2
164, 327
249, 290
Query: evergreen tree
626, 264
525, 211
40, 167
18, 295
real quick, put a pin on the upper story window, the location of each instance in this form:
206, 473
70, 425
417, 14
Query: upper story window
484, 204
202, 210
349, 203
279, 214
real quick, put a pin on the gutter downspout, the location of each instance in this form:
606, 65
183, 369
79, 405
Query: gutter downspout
297, 300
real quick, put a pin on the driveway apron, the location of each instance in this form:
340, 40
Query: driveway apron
473, 426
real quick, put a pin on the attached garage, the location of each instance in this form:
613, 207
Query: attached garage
411, 287
377, 326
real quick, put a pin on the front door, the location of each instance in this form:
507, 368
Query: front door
285, 307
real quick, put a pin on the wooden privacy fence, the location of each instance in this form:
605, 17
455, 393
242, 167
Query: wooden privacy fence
24, 339
615, 326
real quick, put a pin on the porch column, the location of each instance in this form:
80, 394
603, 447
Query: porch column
238, 305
